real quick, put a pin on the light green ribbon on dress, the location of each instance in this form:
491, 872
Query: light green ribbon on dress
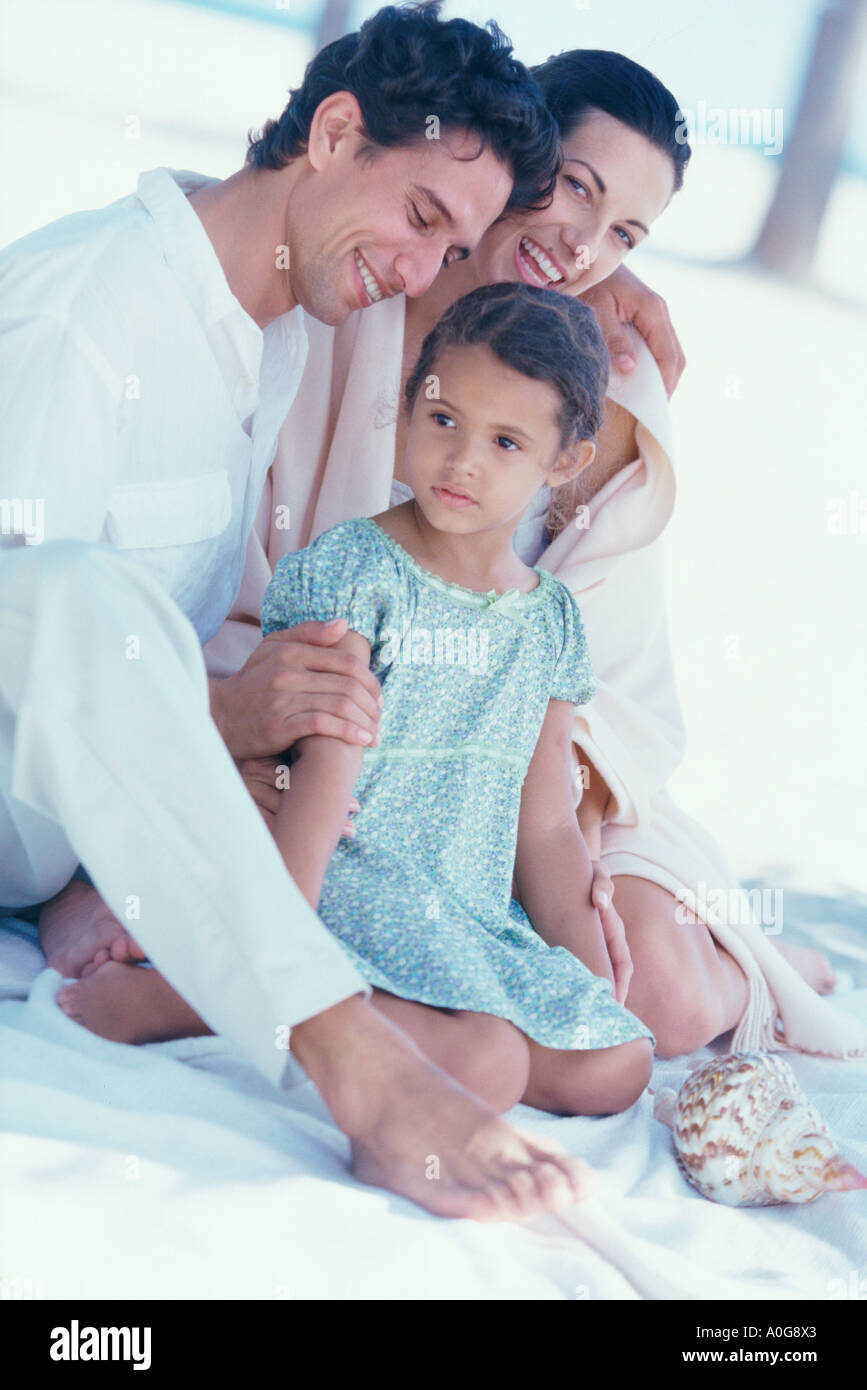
507, 604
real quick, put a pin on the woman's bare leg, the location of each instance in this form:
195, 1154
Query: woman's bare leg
603, 1081
487, 1055
685, 988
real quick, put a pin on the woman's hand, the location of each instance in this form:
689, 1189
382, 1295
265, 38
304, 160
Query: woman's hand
601, 895
621, 299
265, 778
296, 684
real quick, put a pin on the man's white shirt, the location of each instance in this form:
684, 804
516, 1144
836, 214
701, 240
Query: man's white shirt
139, 402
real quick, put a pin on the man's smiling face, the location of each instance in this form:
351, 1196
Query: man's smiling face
366, 224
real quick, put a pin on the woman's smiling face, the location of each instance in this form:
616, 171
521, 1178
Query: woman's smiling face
613, 185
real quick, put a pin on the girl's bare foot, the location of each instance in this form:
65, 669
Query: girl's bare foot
78, 932
812, 966
416, 1132
129, 1004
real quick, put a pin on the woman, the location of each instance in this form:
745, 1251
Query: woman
696, 975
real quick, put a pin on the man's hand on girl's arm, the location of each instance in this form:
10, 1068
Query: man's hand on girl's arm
298, 682
622, 299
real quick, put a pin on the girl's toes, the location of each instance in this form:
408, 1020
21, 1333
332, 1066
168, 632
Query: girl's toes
124, 949
99, 959
68, 1001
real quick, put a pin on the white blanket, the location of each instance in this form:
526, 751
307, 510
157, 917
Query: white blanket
174, 1171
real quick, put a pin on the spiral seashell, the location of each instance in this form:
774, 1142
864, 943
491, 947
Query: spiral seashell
746, 1135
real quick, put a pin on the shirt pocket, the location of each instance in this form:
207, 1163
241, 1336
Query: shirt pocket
144, 516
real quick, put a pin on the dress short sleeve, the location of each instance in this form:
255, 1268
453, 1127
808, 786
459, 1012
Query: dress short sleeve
573, 678
344, 573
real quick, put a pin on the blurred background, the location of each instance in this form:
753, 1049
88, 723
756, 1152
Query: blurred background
761, 259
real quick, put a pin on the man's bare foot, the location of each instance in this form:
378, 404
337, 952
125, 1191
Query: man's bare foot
129, 1004
419, 1134
78, 933
812, 966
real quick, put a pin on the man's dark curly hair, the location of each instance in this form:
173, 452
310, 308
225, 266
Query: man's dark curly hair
405, 65
542, 334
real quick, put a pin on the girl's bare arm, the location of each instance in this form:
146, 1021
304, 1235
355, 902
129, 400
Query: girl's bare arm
312, 811
553, 872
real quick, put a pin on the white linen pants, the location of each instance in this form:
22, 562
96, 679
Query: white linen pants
109, 757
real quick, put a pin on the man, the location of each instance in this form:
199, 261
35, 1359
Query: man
148, 355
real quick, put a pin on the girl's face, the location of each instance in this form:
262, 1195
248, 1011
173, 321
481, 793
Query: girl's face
481, 449
613, 185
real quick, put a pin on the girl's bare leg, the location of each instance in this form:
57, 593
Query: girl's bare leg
487, 1055
603, 1081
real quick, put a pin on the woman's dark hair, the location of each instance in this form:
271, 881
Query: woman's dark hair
542, 334
594, 79
406, 65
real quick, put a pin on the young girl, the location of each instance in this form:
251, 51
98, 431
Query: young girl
480, 660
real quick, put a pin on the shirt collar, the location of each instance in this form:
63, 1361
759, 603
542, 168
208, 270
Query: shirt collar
187, 246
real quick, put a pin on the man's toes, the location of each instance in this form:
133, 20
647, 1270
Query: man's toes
527, 1194
583, 1178
493, 1200
555, 1186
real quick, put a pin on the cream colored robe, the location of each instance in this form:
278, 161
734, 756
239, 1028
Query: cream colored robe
334, 461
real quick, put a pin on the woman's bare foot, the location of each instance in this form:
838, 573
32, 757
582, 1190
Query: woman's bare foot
416, 1132
812, 966
78, 933
129, 1004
